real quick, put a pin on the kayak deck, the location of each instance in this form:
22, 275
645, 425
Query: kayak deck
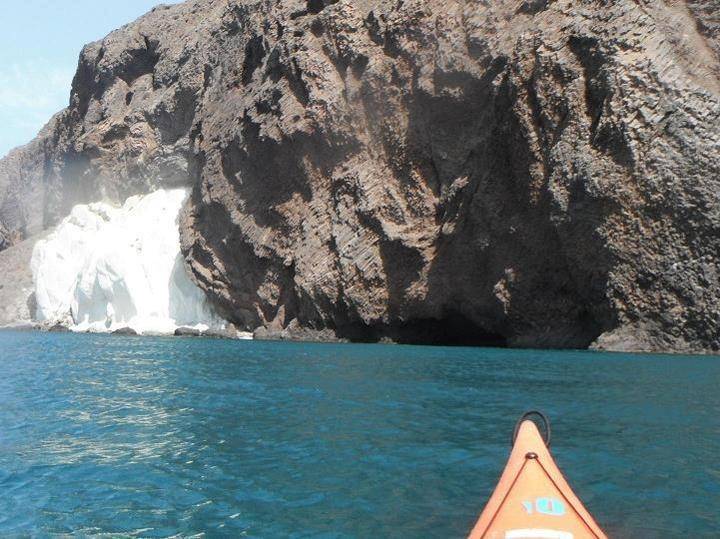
532, 499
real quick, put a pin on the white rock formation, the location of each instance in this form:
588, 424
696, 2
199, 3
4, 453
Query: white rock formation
105, 268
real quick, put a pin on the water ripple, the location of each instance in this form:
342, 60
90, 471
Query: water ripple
127, 437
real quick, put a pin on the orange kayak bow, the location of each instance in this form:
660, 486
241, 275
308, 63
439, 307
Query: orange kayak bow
532, 499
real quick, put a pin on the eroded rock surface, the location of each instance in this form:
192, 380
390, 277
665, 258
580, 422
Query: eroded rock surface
17, 301
538, 173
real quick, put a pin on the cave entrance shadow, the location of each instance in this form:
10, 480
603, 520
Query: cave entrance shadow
453, 329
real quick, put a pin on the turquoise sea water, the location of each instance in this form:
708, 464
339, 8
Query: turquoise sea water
153, 437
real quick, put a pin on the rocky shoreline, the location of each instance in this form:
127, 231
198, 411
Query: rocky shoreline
319, 337
228, 333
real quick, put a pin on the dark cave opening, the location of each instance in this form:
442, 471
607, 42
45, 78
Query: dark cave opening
453, 329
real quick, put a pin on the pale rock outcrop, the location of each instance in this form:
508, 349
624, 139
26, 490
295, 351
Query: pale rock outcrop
107, 268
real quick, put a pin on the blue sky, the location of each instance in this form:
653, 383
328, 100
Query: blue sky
40, 41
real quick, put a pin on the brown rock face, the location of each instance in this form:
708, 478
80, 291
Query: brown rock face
538, 173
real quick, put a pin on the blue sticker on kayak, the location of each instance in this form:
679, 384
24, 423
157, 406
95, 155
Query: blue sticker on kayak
550, 506
545, 506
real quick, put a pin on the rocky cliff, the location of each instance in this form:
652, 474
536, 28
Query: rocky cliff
537, 173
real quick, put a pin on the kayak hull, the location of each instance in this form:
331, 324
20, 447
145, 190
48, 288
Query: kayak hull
532, 499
